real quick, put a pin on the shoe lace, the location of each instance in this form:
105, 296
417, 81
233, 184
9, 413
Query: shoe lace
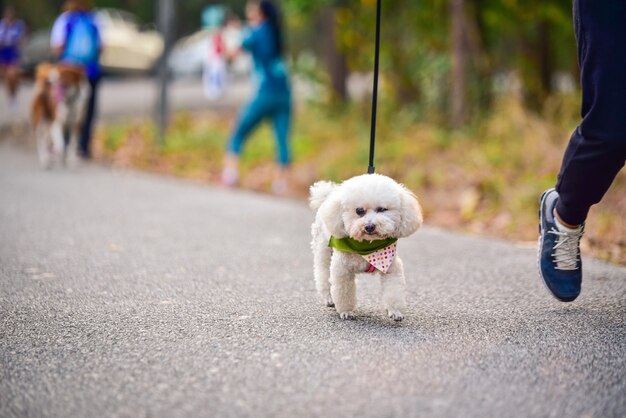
566, 249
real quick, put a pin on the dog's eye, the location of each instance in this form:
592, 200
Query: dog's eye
381, 210
360, 211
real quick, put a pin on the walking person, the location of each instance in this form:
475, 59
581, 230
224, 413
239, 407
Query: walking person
12, 35
75, 39
597, 148
272, 97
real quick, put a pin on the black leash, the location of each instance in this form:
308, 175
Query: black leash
370, 168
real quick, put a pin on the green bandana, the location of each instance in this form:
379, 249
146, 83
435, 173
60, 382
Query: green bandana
350, 245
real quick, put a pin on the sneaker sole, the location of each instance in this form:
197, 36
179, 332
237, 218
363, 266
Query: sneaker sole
539, 247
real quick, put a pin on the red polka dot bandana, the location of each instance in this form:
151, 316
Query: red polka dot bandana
381, 259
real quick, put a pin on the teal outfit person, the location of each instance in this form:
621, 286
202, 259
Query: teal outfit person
272, 98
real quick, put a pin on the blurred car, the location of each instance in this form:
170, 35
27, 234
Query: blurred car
36, 50
190, 53
128, 48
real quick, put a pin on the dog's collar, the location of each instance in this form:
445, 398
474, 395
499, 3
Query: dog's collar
349, 245
379, 253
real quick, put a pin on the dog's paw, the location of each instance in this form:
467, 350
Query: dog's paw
395, 314
347, 315
329, 302
46, 163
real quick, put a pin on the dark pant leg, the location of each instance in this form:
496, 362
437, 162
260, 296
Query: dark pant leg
85, 138
597, 148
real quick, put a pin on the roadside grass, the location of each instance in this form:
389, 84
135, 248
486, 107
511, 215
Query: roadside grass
485, 179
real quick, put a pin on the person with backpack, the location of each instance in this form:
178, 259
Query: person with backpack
75, 40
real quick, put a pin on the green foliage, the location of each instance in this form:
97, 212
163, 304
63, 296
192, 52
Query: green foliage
503, 37
187, 11
44, 17
532, 39
114, 138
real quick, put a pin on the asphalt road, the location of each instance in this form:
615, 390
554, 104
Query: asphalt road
131, 295
121, 98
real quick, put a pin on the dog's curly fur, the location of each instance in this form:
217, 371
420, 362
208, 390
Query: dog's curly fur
336, 215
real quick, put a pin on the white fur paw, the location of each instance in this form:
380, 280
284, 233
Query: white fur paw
46, 164
329, 302
395, 314
72, 162
347, 315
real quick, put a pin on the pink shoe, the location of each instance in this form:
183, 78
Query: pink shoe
280, 187
229, 177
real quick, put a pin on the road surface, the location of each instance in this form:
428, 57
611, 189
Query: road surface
121, 98
132, 295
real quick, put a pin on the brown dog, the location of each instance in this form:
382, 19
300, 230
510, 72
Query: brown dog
57, 111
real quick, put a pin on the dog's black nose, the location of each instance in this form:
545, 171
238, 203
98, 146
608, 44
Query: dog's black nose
370, 228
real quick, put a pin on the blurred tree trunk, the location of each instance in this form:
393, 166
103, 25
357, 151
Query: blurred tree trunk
544, 57
538, 68
405, 87
458, 36
335, 59
396, 40
481, 59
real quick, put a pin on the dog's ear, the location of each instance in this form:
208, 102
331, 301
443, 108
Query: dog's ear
319, 192
410, 213
330, 212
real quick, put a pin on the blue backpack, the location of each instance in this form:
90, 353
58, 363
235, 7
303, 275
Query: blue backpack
83, 41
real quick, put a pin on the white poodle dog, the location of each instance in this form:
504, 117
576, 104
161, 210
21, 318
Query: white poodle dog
355, 231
